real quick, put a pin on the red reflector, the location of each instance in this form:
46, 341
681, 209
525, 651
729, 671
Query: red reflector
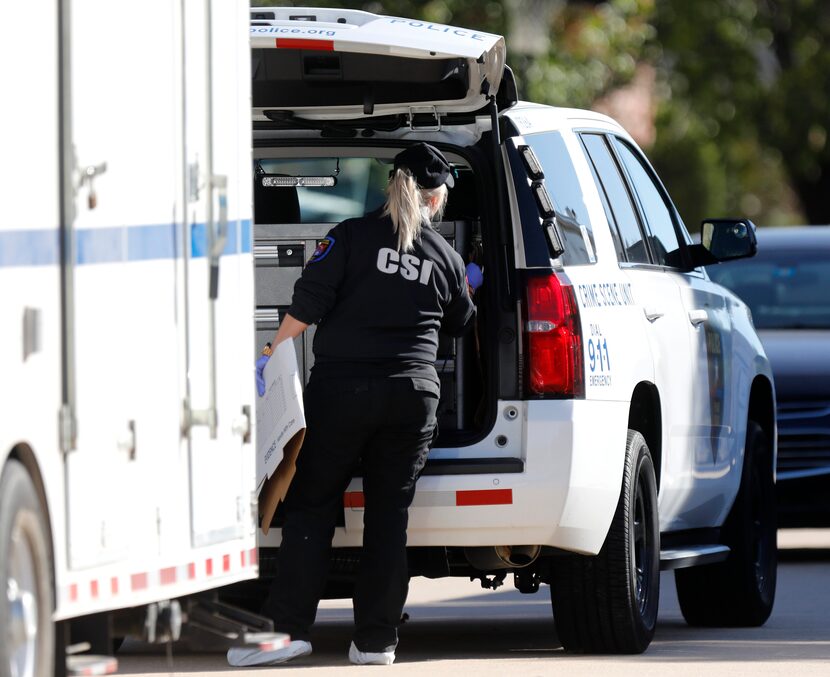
354, 499
553, 338
93, 589
138, 581
300, 43
484, 497
114, 585
167, 576
226, 562
191, 571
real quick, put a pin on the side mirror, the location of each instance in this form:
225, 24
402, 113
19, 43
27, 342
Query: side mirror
724, 240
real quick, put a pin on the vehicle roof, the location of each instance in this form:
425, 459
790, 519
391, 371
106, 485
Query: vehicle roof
532, 117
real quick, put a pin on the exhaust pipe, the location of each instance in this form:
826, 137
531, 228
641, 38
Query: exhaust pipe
502, 556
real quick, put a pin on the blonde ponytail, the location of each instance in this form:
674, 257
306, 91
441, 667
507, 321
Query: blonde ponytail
408, 206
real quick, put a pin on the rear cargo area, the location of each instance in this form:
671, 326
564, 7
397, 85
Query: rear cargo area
290, 219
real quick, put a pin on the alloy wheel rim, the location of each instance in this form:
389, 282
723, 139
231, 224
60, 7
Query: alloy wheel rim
759, 534
642, 563
21, 593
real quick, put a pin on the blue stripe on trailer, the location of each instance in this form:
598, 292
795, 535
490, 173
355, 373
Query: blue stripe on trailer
29, 248
199, 246
26, 248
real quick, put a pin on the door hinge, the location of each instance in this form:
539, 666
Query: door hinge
255, 509
67, 429
242, 424
197, 417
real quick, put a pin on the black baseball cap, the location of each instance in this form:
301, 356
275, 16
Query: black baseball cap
426, 163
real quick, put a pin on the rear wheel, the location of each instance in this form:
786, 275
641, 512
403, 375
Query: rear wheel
608, 603
740, 591
27, 649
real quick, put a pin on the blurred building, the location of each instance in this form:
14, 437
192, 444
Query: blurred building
634, 106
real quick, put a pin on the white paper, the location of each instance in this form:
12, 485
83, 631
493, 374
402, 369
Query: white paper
279, 412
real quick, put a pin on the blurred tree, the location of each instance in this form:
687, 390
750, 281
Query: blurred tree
748, 82
591, 47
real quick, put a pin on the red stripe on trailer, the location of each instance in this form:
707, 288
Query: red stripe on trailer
138, 581
243, 558
484, 497
300, 43
209, 567
114, 585
226, 562
254, 556
191, 571
354, 499
93, 589
73, 592
168, 575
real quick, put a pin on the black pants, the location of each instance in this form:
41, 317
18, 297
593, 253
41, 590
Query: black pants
385, 427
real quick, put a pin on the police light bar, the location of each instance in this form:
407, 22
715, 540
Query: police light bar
543, 200
555, 244
298, 181
532, 165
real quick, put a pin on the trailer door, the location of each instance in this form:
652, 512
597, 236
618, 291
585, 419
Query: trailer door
122, 180
158, 353
219, 278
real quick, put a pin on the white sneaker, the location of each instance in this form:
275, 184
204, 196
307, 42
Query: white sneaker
242, 656
371, 658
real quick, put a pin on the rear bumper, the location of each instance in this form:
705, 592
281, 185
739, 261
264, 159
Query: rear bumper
565, 497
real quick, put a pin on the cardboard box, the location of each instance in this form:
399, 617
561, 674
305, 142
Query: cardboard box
280, 421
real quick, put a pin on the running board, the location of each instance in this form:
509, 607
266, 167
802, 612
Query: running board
692, 556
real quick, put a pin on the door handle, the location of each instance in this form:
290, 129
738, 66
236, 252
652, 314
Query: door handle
653, 313
698, 316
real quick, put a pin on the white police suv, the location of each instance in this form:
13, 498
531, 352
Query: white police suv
613, 413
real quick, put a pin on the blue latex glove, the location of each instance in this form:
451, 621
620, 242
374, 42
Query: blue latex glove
474, 275
260, 378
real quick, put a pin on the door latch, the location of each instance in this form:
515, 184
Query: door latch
87, 178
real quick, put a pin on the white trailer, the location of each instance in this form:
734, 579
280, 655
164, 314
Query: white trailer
127, 471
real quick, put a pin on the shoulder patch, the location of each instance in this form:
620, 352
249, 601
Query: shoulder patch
323, 248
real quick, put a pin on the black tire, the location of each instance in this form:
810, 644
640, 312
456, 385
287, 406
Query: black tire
608, 603
740, 591
26, 578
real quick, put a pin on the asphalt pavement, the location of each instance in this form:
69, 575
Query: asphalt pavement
455, 627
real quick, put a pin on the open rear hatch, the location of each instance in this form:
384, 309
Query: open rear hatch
328, 64
339, 71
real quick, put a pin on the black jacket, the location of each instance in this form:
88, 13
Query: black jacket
379, 311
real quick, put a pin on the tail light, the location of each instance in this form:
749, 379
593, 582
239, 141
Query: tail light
553, 338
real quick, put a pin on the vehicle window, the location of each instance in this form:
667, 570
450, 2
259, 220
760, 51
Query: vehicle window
568, 200
784, 289
618, 200
360, 188
662, 237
